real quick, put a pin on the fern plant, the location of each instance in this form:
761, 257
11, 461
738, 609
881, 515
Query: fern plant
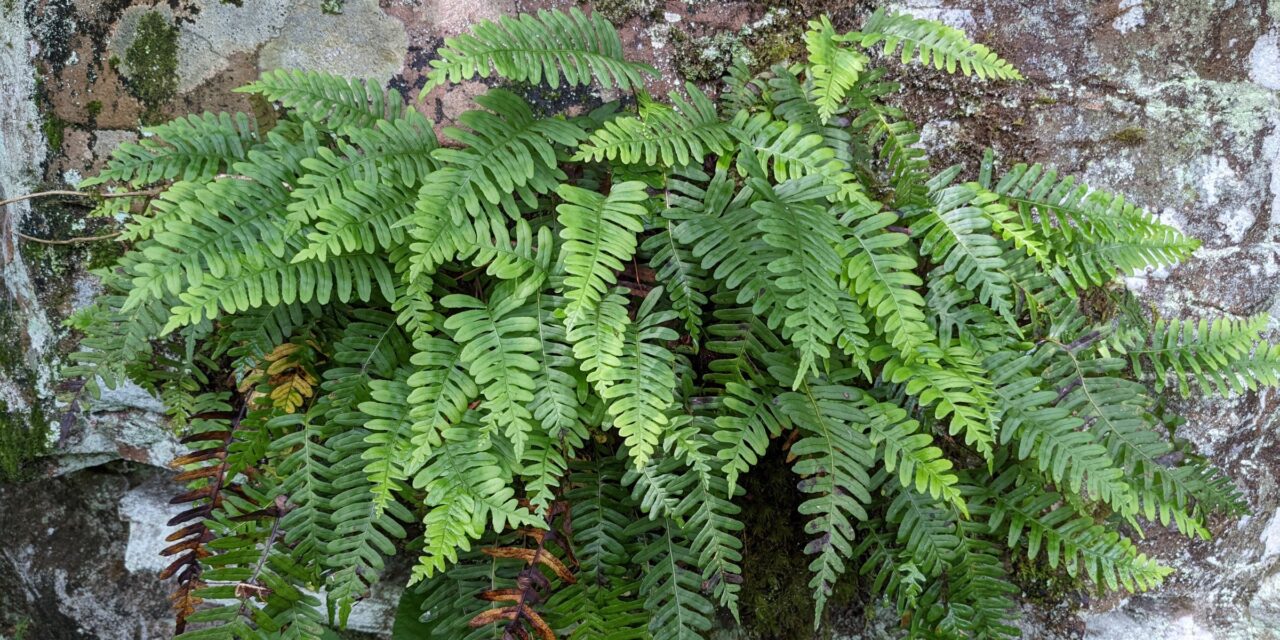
540, 356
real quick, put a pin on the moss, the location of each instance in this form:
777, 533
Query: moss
93, 108
619, 11
23, 434
776, 600
1130, 136
23, 438
1045, 586
152, 63
16, 630
54, 128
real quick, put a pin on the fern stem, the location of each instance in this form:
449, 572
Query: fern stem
76, 240
81, 194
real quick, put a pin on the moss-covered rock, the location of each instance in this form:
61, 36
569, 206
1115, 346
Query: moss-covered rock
151, 63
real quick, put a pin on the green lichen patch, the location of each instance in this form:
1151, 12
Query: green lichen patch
619, 11
708, 58
54, 267
1130, 136
152, 64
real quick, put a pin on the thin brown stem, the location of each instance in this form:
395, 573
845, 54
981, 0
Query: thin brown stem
79, 194
105, 236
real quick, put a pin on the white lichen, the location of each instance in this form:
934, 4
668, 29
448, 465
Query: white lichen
1132, 16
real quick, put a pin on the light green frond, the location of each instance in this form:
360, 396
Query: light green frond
833, 68
441, 391
553, 46
497, 345
881, 278
642, 387
932, 42
954, 234
1226, 355
599, 235
194, 149
467, 488
328, 101
676, 136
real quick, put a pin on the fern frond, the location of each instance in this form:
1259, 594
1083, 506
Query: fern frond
806, 274
673, 592
1066, 537
467, 487
932, 42
364, 529
833, 68
833, 457
552, 46
397, 153
193, 149
881, 278
673, 261
643, 384
1052, 435
676, 136
1091, 233
1224, 356
918, 463
326, 100
441, 391
958, 390
954, 234
599, 235
496, 348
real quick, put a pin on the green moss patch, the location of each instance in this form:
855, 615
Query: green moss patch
152, 62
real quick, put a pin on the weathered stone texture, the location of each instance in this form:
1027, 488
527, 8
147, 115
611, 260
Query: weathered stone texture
1173, 102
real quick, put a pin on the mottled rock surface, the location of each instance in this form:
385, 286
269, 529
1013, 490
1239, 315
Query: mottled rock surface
1173, 102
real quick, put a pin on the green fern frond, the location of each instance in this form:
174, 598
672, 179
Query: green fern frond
599, 235
467, 489
193, 149
642, 388
1224, 355
673, 592
676, 136
1068, 538
496, 347
954, 235
881, 278
932, 42
833, 68
326, 100
833, 457
552, 46
673, 261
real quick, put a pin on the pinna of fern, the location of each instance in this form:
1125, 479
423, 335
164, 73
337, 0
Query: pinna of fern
542, 355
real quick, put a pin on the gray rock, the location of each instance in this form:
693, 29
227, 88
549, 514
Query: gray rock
362, 42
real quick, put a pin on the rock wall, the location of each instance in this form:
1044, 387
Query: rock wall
1173, 102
